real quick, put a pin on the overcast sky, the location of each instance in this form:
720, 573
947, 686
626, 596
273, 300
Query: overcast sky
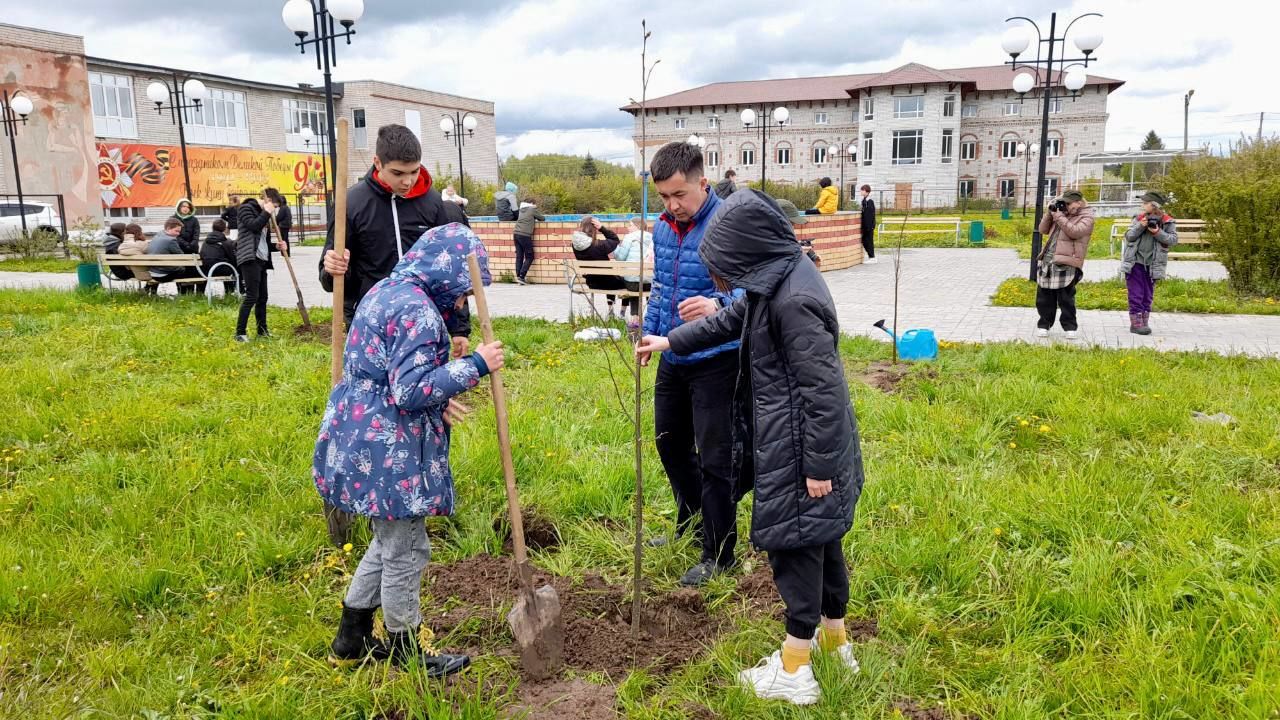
558, 70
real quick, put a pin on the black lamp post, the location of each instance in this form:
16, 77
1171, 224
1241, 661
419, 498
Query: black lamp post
316, 18
14, 109
748, 116
850, 149
1015, 42
181, 96
1027, 151
458, 128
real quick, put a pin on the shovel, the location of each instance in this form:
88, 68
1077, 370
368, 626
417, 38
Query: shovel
302, 305
338, 521
535, 620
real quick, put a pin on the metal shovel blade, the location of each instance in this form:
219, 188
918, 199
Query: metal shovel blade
539, 632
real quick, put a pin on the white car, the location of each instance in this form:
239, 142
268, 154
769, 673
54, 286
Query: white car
40, 216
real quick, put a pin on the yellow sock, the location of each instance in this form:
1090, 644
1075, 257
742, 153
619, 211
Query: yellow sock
793, 658
829, 639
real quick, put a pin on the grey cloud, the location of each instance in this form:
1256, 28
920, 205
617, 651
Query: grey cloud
1199, 55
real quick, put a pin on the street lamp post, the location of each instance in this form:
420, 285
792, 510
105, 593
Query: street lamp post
181, 96
1026, 151
1186, 117
316, 18
14, 110
458, 128
1015, 42
780, 115
850, 149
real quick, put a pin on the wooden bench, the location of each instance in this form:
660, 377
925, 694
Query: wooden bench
577, 271
911, 224
1190, 233
216, 274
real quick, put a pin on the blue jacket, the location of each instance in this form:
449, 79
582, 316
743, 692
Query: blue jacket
678, 274
383, 448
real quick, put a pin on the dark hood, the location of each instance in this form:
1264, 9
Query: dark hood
750, 243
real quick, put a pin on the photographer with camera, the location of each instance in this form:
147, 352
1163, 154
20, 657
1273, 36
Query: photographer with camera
1146, 254
1068, 224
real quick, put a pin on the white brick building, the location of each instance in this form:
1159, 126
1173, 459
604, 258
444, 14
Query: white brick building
919, 136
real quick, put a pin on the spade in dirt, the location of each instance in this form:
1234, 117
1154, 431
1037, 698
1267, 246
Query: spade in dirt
535, 620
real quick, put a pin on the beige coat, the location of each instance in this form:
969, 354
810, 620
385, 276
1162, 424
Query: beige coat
1072, 231
136, 246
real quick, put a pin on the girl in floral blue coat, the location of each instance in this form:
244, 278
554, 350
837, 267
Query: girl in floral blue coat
383, 449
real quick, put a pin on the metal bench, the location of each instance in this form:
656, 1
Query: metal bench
1190, 233
216, 274
577, 271
909, 225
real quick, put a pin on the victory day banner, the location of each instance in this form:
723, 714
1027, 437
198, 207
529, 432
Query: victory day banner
138, 176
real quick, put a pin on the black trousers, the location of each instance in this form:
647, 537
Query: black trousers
524, 255
693, 407
1064, 299
254, 274
869, 241
814, 583
632, 304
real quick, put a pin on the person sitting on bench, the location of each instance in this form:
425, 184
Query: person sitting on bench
166, 243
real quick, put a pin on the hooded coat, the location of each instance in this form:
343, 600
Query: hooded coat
189, 238
383, 448
792, 415
828, 200
505, 204
1069, 234
253, 225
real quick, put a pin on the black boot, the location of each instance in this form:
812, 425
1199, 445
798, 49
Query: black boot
405, 650
355, 641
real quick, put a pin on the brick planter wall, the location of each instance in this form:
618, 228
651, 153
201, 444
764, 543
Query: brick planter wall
837, 239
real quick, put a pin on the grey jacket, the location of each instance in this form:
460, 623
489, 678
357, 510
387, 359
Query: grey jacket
1166, 238
162, 244
524, 223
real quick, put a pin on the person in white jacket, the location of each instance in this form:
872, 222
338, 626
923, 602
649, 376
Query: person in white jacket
634, 246
451, 195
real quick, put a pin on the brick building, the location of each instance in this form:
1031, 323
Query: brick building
248, 133
918, 135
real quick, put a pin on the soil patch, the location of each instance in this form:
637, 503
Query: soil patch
318, 332
915, 711
539, 533
884, 376
564, 700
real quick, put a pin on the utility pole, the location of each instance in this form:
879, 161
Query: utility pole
1186, 115
1261, 116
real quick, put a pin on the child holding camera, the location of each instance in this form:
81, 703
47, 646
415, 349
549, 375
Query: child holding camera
1146, 254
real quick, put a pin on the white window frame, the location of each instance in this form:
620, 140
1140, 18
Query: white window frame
713, 158
360, 133
413, 121
949, 106
1012, 109
1055, 106
821, 153
821, 118
969, 110
778, 155
304, 113
223, 119
968, 149
1051, 186
713, 123
1054, 147
898, 137
900, 114
123, 123
868, 148
1009, 149
747, 155
868, 108
966, 188
1012, 184
948, 146
681, 123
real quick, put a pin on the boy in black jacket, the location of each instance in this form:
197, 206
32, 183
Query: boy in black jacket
794, 424
220, 252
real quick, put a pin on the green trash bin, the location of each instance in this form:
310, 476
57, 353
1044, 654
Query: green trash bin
977, 232
1005, 212
87, 275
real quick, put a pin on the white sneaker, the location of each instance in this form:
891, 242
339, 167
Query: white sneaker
1042, 333
1073, 335
769, 681
844, 652
869, 261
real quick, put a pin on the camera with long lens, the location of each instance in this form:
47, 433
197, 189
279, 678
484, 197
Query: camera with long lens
1058, 205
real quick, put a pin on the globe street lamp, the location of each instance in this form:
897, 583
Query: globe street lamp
1046, 71
749, 116
181, 96
850, 149
450, 127
316, 18
14, 109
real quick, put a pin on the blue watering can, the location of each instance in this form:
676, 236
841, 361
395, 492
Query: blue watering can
918, 344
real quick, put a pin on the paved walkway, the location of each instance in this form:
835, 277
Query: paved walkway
943, 289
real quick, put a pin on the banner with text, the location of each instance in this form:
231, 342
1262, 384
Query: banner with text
139, 176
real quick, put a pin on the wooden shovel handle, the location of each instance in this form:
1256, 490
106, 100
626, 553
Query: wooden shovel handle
338, 182
504, 432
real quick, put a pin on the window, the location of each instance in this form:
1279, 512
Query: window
820, 118
359, 129
966, 188
748, 156
948, 145
126, 212
112, 99
820, 154
868, 108
908, 147
713, 158
1051, 187
222, 119
784, 155
413, 121
1012, 108
911, 106
969, 150
713, 122
1007, 187
868, 145
970, 110
949, 106
680, 123
1055, 106
300, 114
1054, 147
1009, 149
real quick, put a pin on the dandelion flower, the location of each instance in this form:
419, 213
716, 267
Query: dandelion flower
1024, 423
1045, 428
997, 532
348, 547
1013, 446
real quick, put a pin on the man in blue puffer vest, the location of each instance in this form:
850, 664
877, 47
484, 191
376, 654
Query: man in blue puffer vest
693, 397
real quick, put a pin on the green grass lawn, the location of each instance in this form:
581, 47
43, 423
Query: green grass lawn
1045, 532
44, 264
1013, 233
1172, 295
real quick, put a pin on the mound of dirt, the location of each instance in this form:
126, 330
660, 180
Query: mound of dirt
565, 700
884, 376
539, 533
913, 710
322, 332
